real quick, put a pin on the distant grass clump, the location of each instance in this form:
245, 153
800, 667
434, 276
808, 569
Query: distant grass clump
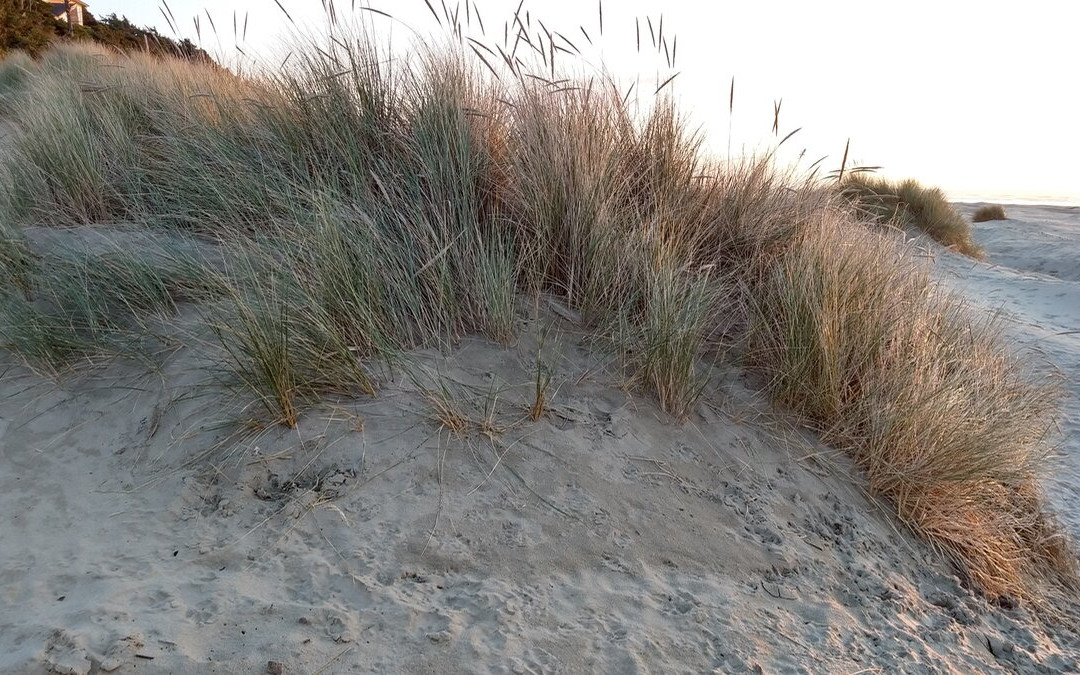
989, 212
909, 204
366, 206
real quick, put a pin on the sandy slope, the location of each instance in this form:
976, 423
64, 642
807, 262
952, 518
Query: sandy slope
138, 536
1032, 276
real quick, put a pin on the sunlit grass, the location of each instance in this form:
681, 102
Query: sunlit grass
909, 204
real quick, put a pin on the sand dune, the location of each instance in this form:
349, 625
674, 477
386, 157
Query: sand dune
1032, 276
141, 534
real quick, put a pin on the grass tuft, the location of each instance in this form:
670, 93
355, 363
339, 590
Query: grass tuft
664, 338
281, 342
988, 212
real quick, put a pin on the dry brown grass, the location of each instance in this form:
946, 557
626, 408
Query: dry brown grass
948, 423
909, 204
989, 212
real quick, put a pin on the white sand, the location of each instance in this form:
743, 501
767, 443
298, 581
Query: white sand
137, 538
1032, 276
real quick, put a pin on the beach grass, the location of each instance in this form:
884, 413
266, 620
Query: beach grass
988, 212
909, 204
16, 260
15, 70
924, 392
361, 209
77, 302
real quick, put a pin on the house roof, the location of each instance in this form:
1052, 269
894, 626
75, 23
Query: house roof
58, 6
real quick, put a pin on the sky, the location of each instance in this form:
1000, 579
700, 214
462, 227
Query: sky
979, 98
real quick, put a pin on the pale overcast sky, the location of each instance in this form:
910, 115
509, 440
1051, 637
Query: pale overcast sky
977, 97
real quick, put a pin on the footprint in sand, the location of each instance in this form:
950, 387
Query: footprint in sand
64, 655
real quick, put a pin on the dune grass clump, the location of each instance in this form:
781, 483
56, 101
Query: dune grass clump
365, 207
15, 70
67, 176
949, 426
81, 302
988, 212
81, 99
405, 205
910, 204
283, 351
667, 342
